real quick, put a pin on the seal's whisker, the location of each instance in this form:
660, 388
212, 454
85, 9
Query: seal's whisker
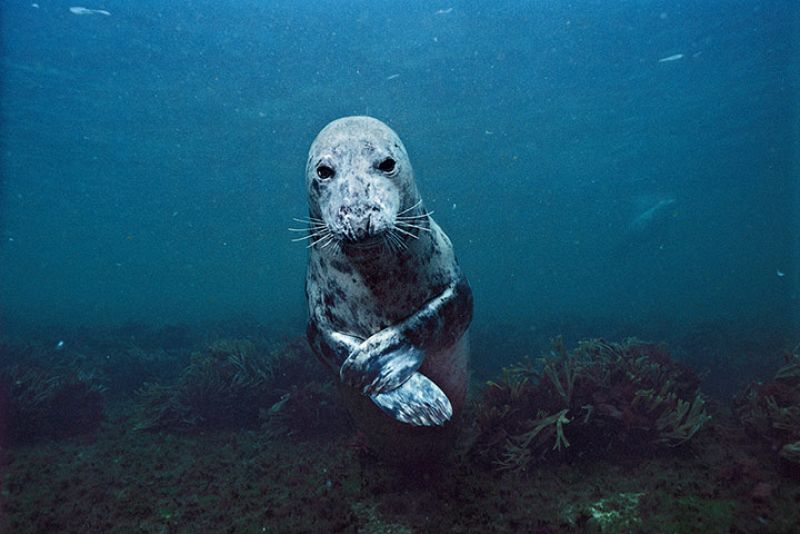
411, 208
387, 242
401, 243
405, 232
309, 220
323, 238
312, 228
313, 235
315, 229
398, 241
409, 225
410, 217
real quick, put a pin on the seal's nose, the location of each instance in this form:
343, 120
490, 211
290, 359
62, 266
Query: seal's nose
359, 227
360, 232
354, 222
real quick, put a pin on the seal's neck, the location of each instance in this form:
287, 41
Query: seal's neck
388, 252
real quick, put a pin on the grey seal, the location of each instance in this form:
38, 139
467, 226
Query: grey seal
389, 307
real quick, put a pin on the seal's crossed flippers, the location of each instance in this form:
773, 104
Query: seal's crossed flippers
385, 368
418, 402
381, 363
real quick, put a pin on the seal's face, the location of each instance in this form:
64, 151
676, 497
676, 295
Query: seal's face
359, 178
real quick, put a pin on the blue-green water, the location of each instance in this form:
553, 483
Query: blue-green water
604, 169
153, 157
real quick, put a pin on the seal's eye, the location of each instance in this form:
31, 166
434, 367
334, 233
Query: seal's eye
325, 172
386, 165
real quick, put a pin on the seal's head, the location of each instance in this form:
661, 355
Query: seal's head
359, 180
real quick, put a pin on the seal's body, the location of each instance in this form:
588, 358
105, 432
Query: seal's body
388, 304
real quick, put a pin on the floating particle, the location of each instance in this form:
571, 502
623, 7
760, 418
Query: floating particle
673, 57
76, 10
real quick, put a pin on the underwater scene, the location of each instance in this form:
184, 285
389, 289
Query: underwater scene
400, 266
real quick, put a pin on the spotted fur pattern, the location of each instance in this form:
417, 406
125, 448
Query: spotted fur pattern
378, 310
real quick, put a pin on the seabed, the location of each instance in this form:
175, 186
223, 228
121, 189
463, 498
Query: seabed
296, 464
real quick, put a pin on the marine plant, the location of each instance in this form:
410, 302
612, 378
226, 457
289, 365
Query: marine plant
771, 410
223, 385
38, 402
600, 398
226, 385
129, 368
307, 411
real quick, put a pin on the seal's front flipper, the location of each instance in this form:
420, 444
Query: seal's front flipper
381, 363
418, 402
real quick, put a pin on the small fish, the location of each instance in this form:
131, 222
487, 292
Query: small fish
393, 76
674, 57
444, 11
76, 10
278, 406
60, 345
780, 273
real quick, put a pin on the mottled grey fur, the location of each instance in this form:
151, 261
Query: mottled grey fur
384, 288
